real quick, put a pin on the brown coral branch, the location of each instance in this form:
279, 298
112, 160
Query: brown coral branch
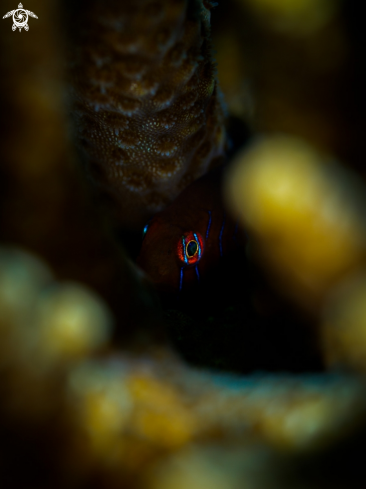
145, 100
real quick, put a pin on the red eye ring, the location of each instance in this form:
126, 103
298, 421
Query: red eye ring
190, 248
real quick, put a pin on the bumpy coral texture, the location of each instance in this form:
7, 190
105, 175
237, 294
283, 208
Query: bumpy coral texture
146, 100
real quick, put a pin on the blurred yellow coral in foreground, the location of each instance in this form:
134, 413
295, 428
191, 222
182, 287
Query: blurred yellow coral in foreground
344, 329
149, 416
305, 214
297, 17
73, 323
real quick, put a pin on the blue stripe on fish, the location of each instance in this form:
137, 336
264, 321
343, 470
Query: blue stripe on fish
181, 279
199, 245
209, 224
184, 249
197, 273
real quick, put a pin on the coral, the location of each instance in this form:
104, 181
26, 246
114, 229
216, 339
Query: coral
305, 214
130, 413
292, 67
306, 218
146, 101
38, 164
343, 328
302, 18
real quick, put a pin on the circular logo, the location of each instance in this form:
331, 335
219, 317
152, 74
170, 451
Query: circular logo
20, 17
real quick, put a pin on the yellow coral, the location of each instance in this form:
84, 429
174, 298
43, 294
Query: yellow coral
344, 324
161, 417
73, 321
300, 17
306, 215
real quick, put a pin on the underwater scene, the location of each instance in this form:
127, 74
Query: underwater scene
182, 244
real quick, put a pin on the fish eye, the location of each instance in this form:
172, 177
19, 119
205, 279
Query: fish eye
190, 248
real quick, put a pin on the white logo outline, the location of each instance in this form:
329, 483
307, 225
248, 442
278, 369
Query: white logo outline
20, 18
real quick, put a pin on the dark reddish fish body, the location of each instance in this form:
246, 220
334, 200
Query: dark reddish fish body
187, 239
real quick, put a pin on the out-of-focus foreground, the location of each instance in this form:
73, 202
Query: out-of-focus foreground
92, 395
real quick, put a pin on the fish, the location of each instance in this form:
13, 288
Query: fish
186, 240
